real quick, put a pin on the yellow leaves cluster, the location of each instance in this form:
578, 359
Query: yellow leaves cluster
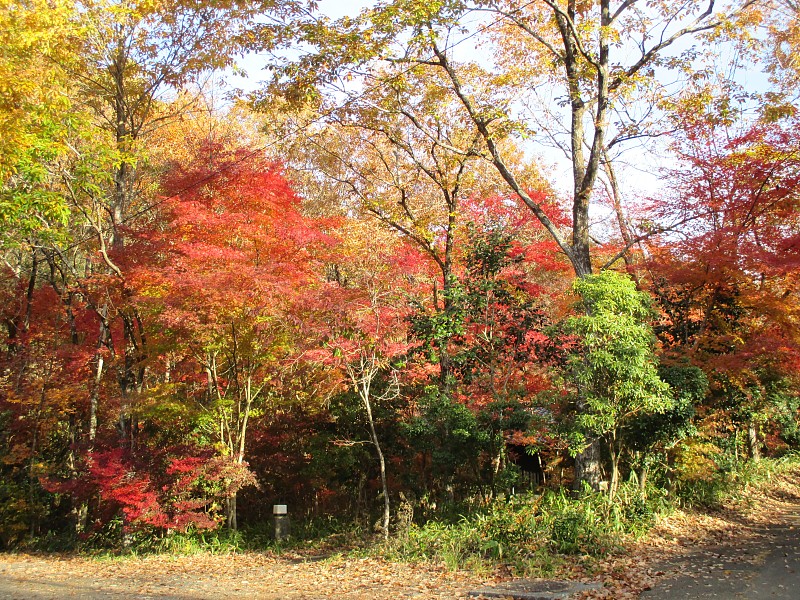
34, 39
695, 460
365, 249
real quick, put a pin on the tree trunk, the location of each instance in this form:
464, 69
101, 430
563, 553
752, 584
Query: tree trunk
360, 499
382, 462
443, 343
588, 468
34, 522
541, 469
385, 486
231, 512
614, 452
642, 474
752, 441
94, 395
622, 220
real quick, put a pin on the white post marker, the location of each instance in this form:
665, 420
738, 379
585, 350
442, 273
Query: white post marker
281, 517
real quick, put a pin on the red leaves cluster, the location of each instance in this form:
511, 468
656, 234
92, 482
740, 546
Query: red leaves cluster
739, 202
726, 276
738, 205
234, 240
162, 491
539, 252
118, 482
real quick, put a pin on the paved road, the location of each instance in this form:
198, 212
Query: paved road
764, 566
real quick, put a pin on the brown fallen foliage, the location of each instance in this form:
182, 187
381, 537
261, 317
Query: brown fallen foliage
245, 575
736, 526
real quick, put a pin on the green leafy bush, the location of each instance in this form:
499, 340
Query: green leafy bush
526, 532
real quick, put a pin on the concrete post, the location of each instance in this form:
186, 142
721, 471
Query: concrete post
280, 514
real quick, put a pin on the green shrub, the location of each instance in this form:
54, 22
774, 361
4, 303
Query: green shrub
730, 481
529, 531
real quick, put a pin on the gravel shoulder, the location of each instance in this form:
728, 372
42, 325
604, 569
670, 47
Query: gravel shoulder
749, 549
764, 563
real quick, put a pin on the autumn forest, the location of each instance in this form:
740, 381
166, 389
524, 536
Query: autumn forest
430, 259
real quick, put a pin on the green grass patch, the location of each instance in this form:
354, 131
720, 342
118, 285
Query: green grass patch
532, 533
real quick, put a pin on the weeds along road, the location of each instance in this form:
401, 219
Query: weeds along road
750, 550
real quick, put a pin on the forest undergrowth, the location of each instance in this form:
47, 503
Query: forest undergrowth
550, 533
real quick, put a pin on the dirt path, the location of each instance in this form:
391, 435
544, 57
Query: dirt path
247, 575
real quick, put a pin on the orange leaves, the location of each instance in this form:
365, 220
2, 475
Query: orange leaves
739, 199
293, 576
740, 213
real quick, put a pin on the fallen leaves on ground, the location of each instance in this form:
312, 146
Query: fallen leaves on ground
688, 543
241, 575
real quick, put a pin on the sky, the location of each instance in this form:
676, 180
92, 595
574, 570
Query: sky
253, 63
342, 8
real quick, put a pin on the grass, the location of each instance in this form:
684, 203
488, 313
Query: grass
732, 483
532, 533
535, 535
